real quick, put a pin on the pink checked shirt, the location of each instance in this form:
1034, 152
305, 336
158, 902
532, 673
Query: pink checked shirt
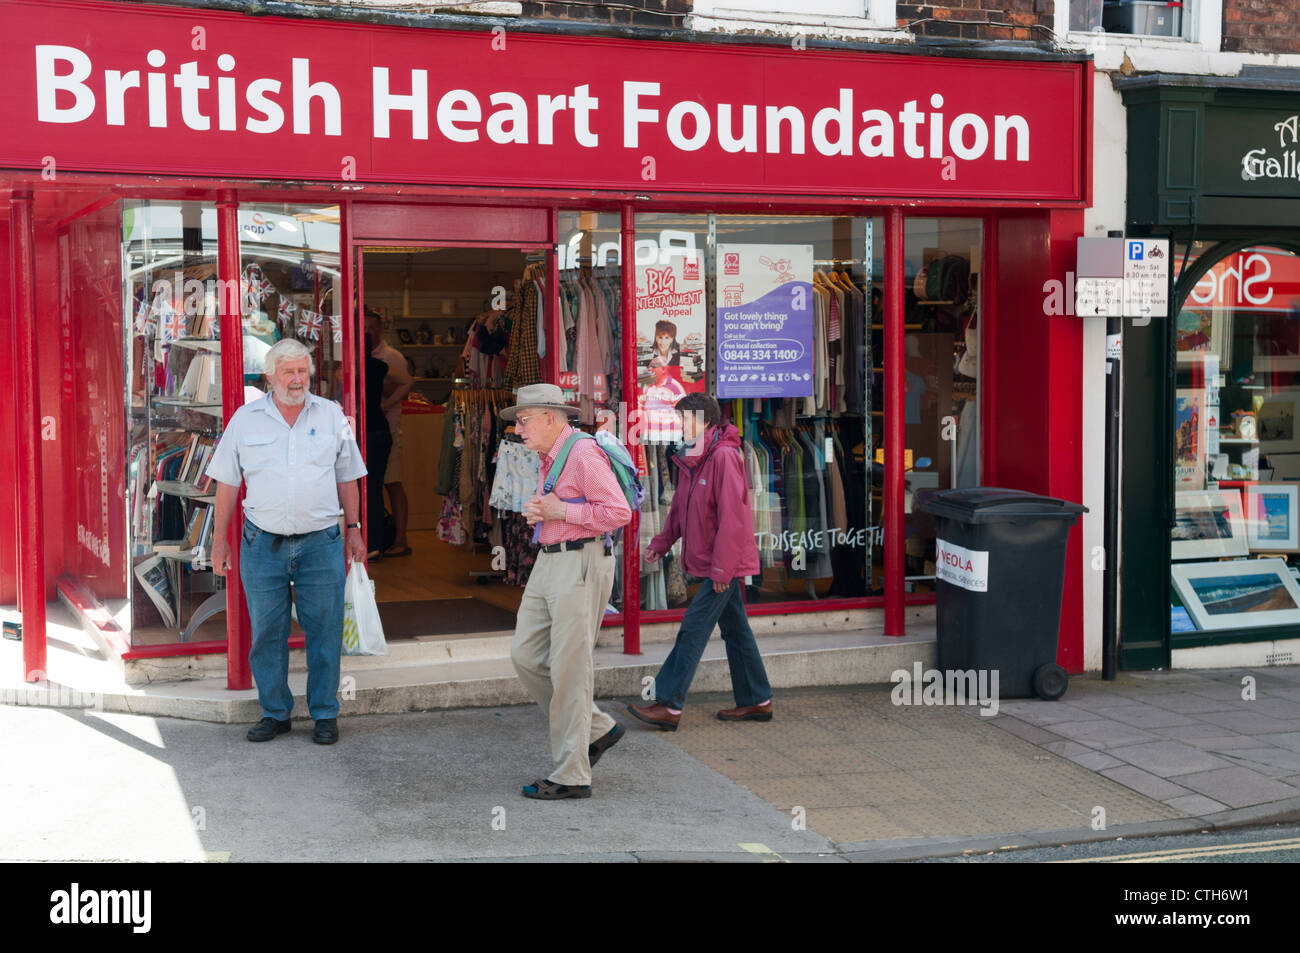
587, 474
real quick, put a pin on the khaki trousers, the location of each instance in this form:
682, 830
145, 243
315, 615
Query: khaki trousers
555, 633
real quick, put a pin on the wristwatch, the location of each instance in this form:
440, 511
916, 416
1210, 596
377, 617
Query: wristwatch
356, 525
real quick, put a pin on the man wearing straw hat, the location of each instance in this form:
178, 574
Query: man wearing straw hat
568, 589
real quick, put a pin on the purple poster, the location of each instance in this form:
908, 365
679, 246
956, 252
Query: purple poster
765, 321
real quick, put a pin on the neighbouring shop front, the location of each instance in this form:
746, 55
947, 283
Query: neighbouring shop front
848, 247
1211, 472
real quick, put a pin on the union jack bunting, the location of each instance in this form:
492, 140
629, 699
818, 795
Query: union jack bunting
338, 329
173, 324
144, 318
309, 324
287, 308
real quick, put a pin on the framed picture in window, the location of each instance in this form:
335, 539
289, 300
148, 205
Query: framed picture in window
1241, 594
1275, 423
1189, 439
1208, 524
1273, 517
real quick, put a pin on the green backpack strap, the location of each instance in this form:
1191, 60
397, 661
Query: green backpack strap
557, 465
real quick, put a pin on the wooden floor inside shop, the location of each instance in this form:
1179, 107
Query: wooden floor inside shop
438, 570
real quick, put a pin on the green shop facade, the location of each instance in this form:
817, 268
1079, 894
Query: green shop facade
1210, 523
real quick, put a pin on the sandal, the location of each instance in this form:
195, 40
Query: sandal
399, 551
546, 790
603, 744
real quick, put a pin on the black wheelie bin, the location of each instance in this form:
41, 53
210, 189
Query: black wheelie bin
1000, 565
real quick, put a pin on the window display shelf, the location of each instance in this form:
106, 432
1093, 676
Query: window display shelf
201, 344
187, 490
186, 403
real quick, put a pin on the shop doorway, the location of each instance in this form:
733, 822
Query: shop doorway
438, 322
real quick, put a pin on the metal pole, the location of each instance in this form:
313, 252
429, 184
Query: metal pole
239, 631
1110, 539
893, 360
31, 549
632, 533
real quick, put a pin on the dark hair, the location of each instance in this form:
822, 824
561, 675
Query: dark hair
372, 313
701, 403
666, 327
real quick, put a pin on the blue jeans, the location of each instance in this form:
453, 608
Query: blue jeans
314, 563
726, 610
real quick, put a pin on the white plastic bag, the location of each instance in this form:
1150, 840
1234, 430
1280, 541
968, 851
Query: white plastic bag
363, 632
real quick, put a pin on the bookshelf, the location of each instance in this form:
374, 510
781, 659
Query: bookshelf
176, 423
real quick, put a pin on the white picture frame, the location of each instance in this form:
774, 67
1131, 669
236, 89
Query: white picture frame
1276, 423
1208, 524
1246, 593
1273, 517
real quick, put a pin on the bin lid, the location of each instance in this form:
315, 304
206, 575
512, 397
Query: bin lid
986, 504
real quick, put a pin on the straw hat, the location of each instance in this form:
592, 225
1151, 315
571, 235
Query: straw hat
543, 396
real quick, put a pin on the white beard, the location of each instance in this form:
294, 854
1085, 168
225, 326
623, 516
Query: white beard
283, 396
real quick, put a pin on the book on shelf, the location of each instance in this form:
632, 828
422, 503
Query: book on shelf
156, 581
202, 382
198, 452
203, 543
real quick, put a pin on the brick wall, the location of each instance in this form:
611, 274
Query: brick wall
981, 19
665, 14
1261, 26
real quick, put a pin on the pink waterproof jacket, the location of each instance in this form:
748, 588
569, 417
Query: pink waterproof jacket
710, 512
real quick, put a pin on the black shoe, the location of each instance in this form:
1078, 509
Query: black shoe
327, 731
268, 728
603, 744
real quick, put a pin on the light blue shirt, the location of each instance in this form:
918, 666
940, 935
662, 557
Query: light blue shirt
292, 473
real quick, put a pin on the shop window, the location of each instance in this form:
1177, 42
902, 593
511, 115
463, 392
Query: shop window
941, 413
773, 316
590, 356
173, 382
289, 287
289, 275
1175, 19
1236, 446
94, 444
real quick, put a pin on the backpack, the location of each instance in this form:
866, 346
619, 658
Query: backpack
620, 461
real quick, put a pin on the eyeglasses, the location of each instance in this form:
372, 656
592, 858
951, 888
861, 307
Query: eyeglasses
521, 419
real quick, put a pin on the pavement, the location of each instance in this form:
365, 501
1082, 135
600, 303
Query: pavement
839, 774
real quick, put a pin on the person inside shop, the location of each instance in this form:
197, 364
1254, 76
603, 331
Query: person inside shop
710, 513
399, 383
380, 530
296, 456
564, 601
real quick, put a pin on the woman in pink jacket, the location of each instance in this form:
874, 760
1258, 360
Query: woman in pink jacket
710, 514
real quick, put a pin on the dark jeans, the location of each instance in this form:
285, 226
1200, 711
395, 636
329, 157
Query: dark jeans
726, 610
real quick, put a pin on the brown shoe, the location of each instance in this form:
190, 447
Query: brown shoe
657, 715
748, 713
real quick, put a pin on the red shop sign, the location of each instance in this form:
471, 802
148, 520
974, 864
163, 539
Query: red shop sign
118, 87
1250, 280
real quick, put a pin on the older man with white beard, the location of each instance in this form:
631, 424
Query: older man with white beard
297, 456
